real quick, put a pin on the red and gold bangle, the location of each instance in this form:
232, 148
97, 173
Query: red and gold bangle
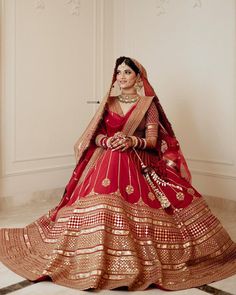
134, 141
144, 143
99, 139
151, 130
108, 142
139, 142
103, 141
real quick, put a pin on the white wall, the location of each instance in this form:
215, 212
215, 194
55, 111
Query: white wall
52, 63
57, 54
188, 49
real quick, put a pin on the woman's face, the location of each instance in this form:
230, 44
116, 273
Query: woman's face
125, 77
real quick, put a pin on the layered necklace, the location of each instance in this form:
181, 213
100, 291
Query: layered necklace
128, 98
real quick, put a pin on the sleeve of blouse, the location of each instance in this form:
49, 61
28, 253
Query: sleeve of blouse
152, 120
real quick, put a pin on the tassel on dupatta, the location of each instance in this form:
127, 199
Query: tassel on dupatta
154, 180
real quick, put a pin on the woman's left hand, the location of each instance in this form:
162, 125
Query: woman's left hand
120, 142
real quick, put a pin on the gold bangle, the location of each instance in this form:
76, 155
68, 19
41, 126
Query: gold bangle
133, 140
145, 143
98, 139
151, 126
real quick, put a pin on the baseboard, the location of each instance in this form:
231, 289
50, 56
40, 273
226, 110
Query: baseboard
36, 198
221, 203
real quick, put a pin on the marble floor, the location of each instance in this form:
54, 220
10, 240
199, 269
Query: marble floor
16, 285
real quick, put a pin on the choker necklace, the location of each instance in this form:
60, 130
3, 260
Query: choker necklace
127, 99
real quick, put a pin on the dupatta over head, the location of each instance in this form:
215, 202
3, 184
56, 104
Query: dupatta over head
168, 147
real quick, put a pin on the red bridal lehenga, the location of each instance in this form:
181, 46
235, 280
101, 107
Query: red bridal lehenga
110, 229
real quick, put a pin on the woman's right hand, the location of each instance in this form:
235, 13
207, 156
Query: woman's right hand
120, 143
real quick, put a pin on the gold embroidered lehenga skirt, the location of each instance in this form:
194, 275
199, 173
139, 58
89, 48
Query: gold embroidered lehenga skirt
112, 232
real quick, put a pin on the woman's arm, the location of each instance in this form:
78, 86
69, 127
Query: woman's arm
152, 121
151, 130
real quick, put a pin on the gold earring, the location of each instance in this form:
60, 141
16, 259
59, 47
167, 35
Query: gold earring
138, 84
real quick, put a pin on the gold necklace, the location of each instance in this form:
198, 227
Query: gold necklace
127, 99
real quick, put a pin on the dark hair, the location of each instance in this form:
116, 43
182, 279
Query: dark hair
128, 61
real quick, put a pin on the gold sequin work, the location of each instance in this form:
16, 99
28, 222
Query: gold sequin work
104, 242
129, 189
190, 191
106, 182
180, 196
151, 196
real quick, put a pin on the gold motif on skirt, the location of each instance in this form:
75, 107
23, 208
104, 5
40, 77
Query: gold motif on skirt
180, 196
106, 182
190, 191
151, 196
117, 193
129, 189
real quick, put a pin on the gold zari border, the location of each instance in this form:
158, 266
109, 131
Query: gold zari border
105, 242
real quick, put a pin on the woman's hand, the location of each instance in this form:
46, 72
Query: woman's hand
120, 142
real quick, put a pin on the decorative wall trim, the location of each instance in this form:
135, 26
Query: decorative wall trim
98, 52
101, 44
94, 47
39, 170
39, 4
197, 3
212, 174
160, 6
218, 162
75, 6
162, 9
46, 157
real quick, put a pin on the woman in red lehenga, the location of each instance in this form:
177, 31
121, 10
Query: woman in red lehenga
129, 215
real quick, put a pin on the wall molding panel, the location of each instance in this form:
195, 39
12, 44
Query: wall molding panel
78, 65
10, 74
162, 5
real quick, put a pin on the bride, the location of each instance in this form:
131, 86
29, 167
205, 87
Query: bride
129, 215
